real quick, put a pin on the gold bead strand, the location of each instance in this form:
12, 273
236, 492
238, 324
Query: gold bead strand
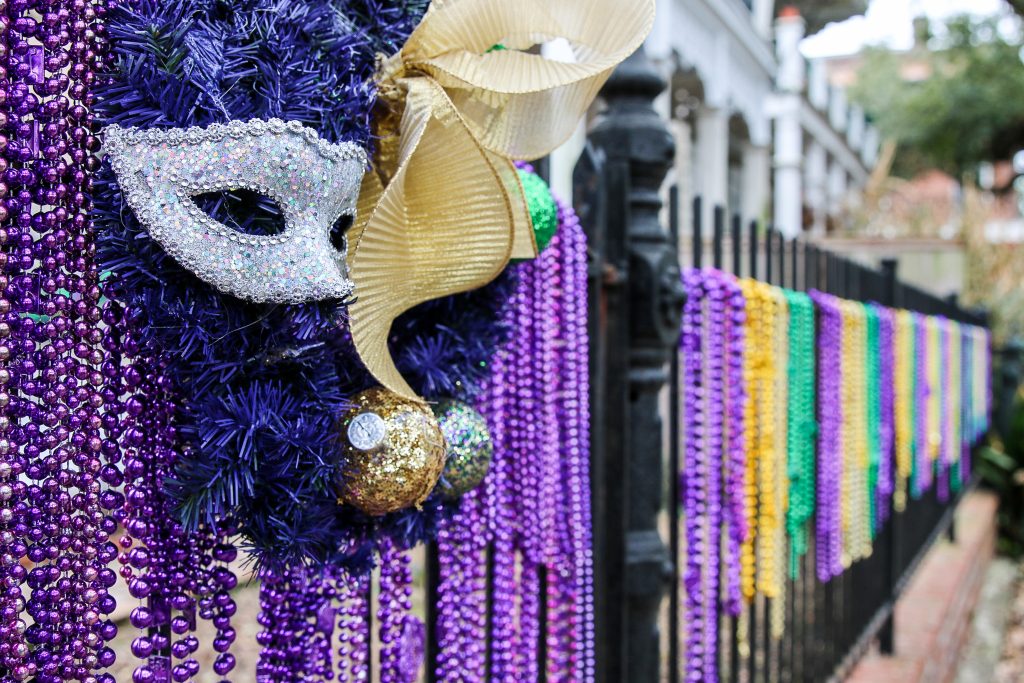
767, 512
862, 453
903, 401
752, 330
934, 391
846, 445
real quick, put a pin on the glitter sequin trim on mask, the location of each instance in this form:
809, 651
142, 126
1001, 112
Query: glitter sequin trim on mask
313, 182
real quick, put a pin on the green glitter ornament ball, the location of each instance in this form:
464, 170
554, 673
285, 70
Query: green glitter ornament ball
469, 448
543, 208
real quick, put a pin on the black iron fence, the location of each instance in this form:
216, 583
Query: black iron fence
636, 302
828, 625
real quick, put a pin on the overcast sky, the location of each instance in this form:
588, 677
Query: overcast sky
890, 22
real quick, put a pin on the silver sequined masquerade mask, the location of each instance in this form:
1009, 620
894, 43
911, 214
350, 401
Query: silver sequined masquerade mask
312, 181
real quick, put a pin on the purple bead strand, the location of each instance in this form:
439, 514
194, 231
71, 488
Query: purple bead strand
693, 477
829, 531
576, 441
58, 420
461, 607
887, 402
945, 459
736, 398
923, 466
394, 605
534, 502
353, 642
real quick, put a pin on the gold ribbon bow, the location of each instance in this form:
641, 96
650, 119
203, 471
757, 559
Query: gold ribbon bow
443, 211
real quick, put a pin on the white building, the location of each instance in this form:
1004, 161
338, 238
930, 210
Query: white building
759, 131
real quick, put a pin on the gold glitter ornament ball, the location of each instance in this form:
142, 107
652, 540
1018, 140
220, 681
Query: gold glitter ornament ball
469, 448
393, 452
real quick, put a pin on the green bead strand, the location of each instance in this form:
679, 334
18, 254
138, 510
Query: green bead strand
873, 353
802, 427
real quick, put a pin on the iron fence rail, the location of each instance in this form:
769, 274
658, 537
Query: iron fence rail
634, 463
635, 309
830, 625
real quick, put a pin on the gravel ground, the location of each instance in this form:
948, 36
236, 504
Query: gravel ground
246, 650
1011, 668
991, 620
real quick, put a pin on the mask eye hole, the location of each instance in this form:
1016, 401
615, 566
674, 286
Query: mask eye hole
244, 211
339, 230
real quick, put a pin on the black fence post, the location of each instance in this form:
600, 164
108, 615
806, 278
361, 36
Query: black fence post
887, 633
642, 320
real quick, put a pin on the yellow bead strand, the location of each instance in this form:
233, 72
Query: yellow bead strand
934, 404
855, 457
767, 512
862, 547
760, 570
956, 387
903, 397
751, 360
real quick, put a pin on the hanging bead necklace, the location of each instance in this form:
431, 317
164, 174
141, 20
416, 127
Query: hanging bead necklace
903, 407
780, 478
887, 354
829, 528
713, 472
532, 510
713, 461
872, 364
768, 513
944, 460
922, 478
956, 437
693, 484
753, 327
736, 524
935, 394
763, 515
801, 425
850, 437
59, 369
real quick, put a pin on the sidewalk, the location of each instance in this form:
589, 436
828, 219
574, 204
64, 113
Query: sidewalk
933, 617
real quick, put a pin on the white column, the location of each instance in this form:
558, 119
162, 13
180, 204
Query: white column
763, 12
563, 160
839, 110
817, 190
711, 177
858, 128
789, 31
817, 87
872, 141
838, 183
757, 172
682, 131
789, 191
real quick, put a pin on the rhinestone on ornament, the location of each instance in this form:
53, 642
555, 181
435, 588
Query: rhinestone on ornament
314, 183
